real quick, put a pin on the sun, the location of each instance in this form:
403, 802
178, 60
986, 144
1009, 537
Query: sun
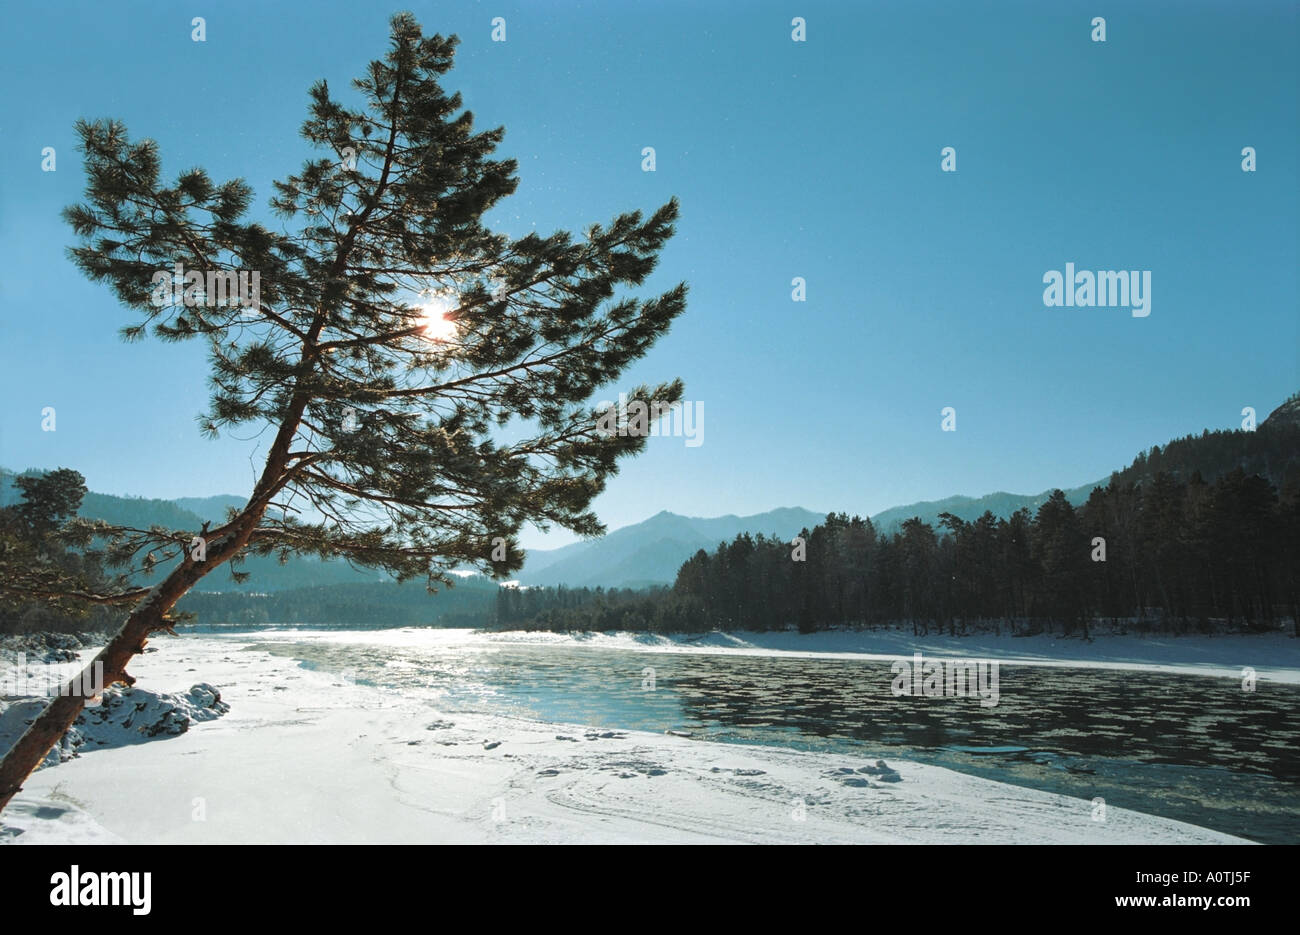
434, 323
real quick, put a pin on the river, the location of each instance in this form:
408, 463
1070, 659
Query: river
1193, 748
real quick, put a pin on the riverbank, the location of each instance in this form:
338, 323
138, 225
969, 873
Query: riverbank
310, 756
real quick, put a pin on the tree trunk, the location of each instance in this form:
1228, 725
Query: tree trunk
53, 722
149, 616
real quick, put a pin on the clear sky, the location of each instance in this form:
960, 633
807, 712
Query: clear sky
818, 159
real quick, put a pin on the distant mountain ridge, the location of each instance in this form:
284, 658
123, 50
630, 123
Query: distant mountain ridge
650, 552
999, 504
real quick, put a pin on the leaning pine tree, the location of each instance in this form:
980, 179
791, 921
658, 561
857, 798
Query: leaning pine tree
393, 337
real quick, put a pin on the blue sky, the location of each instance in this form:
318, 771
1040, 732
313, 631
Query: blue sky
818, 159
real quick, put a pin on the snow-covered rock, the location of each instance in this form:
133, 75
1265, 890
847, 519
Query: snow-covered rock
124, 716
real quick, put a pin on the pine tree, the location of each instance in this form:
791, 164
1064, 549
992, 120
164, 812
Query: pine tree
384, 410
41, 579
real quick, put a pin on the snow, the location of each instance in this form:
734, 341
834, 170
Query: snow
304, 756
119, 716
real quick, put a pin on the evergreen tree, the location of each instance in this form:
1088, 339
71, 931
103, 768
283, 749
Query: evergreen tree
382, 408
43, 583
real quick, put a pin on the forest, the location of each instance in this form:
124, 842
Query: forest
1185, 555
1159, 546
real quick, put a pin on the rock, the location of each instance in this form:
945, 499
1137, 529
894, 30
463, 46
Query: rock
122, 716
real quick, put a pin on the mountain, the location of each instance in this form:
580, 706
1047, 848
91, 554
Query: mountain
213, 509
650, 552
999, 504
377, 604
189, 513
1286, 414
123, 511
1272, 451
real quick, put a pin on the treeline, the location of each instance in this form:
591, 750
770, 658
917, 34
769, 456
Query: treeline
1186, 554
561, 608
382, 604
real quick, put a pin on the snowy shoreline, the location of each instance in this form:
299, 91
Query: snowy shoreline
304, 756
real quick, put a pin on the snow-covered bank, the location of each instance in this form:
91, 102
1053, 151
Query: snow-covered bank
305, 757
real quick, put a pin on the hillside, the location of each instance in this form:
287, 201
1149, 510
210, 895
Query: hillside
189, 513
381, 604
1271, 451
